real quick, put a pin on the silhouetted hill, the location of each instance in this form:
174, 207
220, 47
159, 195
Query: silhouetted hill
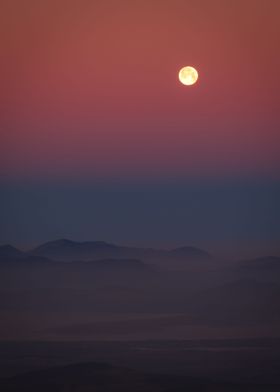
8, 252
263, 263
66, 250
262, 268
84, 377
80, 377
100, 377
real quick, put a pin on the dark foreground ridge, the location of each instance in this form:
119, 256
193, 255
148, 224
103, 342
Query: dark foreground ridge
102, 377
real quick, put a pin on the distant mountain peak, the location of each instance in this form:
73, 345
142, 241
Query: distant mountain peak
7, 247
66, 242
9, 251
64, 249
57, 243
67, 250
268, 262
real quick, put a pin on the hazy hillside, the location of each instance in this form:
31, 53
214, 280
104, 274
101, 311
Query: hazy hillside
244, 294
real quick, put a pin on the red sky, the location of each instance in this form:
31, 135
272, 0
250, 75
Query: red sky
90, 88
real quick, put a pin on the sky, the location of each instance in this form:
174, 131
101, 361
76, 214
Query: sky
91, 109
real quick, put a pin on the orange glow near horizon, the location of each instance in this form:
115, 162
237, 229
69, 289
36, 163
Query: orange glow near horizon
91, 89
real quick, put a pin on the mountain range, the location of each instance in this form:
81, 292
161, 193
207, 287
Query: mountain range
64, 250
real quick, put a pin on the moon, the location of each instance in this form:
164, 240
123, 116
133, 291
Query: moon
188, 76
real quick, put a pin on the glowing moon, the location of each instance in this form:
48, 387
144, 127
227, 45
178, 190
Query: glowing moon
188, 76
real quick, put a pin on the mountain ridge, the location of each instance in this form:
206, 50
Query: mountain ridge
68, 250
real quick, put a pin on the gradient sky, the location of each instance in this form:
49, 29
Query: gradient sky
89, 95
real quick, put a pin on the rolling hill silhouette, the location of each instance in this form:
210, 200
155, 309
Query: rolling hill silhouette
102, 377
10, 252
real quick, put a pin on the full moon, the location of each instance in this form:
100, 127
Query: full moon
188, 76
